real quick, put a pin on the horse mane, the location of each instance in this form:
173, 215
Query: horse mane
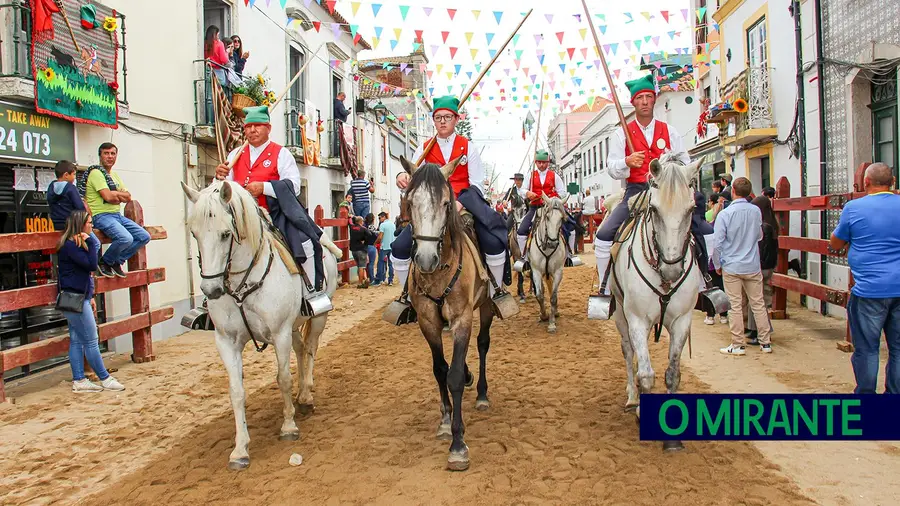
429, 177
210, 209
673, 185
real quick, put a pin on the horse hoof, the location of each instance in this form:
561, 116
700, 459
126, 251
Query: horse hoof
544, 318
551, 329
629, 407
239, 464
521, 300
289, 436
306, 409
672, 446
482, 404
444, 433
458, 461
470, 379
637, 412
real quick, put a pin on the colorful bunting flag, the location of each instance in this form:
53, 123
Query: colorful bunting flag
404, 10
498, 15
451, 13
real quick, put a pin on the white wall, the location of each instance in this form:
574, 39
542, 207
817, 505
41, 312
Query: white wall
672, 108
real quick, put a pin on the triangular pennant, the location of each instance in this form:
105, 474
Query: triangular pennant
434, 50
571, 52
498, 15
439, 67
637, 45
375, 42
630, 18
469, 75
684, 14
492, 52
475, 14
560, 35
418, 34
656, 41
393, 45
519, 54
451, 13
489, 37
354, 7
378, 30
469, 37
665, 15
336, 30
646, 15
515, 39
453, 52
427, 11
445, 35
583, 53
404, 10
701, 13
457, 68
549, 18
317, 25
375, 9
329, 3
474, 52
583, 33
397, 32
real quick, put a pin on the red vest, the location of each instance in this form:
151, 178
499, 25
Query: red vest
660, 133
264, 170
548, 188
459, 180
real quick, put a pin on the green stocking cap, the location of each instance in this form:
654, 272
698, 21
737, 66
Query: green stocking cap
640, 86
89, 17
449, 103
542, 156
258, 114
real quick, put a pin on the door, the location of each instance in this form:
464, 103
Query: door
218, 13
295, 104
765, 176
884, 119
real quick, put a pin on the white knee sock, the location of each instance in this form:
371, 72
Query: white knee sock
572, 244
601, 252
521, 239
401, 269
495, 264
309, 266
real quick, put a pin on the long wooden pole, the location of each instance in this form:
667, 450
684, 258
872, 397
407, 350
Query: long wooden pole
279, 99
537, 131
612, 86
478, 79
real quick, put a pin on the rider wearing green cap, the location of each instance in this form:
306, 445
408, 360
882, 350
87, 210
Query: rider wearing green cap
543, 181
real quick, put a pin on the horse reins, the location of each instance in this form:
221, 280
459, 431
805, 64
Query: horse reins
243, 289
543, 244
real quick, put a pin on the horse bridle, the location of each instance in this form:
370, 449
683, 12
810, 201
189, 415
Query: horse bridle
243, 289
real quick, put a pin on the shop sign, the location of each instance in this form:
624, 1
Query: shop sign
26, 135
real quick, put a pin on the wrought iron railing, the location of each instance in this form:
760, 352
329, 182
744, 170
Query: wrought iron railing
293, 107
754, 85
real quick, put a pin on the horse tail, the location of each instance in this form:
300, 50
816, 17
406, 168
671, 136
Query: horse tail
326, 241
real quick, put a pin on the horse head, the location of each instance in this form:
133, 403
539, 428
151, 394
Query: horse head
552, 217
220, 219
671, 206
432, 212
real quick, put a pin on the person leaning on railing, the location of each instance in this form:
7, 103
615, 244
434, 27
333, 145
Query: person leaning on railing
78, 252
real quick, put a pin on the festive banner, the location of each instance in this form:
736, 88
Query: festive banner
74, 60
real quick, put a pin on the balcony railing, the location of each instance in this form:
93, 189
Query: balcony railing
15, 48
294, 134
755, 86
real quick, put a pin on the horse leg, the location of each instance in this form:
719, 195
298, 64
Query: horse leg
554, 299
230, 352
309, 345
679, 332
431, 325
628, 353
461, 329
521, 290
638, 332
538, 285
484, 343
283, 346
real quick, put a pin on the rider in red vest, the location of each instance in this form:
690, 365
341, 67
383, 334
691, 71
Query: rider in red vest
651, 138
261, 163
468, 186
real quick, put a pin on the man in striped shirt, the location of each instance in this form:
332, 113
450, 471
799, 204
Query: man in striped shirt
360, 188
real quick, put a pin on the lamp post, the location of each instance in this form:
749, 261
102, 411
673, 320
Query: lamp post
380, 112
578, 169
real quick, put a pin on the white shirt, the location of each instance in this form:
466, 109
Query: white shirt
287, 168
615, 161
559, 185
476, 169
589, 205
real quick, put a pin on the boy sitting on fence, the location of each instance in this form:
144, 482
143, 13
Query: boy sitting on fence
63, 196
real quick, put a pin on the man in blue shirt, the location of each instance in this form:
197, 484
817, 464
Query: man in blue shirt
386, 229
869, 226
738, 229
360, 188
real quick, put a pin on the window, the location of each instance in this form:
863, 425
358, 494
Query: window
295, 101
384, 155
764, 173
884, 119
217, 13
602, 165
701, 32
337, 85
757, 55
594, 165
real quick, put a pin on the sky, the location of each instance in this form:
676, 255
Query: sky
553, 51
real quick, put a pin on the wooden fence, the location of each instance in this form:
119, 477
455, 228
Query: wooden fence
137, 280
783, 205
342, 222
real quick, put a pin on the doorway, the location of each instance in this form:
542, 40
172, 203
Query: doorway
217, 13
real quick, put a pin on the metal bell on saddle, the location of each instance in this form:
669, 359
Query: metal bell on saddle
315, 304
400, 312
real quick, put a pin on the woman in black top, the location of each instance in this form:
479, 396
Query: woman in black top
239, 55
360, 237
768, 256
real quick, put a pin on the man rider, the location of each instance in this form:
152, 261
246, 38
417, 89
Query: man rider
518, 178
543, 181
262, 163
467, 182
651, 138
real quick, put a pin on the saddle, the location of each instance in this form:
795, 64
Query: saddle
637, 205
286, 256
472, 244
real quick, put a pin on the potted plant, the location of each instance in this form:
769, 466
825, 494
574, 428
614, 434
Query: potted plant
250, 92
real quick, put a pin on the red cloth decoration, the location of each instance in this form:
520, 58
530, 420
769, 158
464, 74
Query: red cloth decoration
42, 15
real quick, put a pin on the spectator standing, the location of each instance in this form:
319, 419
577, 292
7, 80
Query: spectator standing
589, 204
62, 195
77, 251
361, 188
738, 229
214, 51
359, 237
347, 203
869, 226
768, 258
386, 231
371, 246
239, 54
768, 191
726, 184
105, 192
341, 113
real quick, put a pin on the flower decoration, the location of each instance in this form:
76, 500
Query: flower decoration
740, 105
265, 102
320, 126
302, 119
110, 24
49, 74
260, 79
113, 87
272, 96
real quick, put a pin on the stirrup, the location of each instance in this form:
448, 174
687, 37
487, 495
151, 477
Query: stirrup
521, 265
717, 298
504, 305
315, 304
600, 307
573, 261
400, 312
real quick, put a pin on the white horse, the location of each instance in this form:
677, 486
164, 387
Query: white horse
240, 260
547, 256
655, 277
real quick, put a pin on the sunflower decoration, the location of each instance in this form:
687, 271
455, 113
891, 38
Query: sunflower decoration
265, 102
260, 79
740, 105
110, 24
49, 74
272, 96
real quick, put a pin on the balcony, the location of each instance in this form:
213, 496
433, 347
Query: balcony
754, 86
16, 78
